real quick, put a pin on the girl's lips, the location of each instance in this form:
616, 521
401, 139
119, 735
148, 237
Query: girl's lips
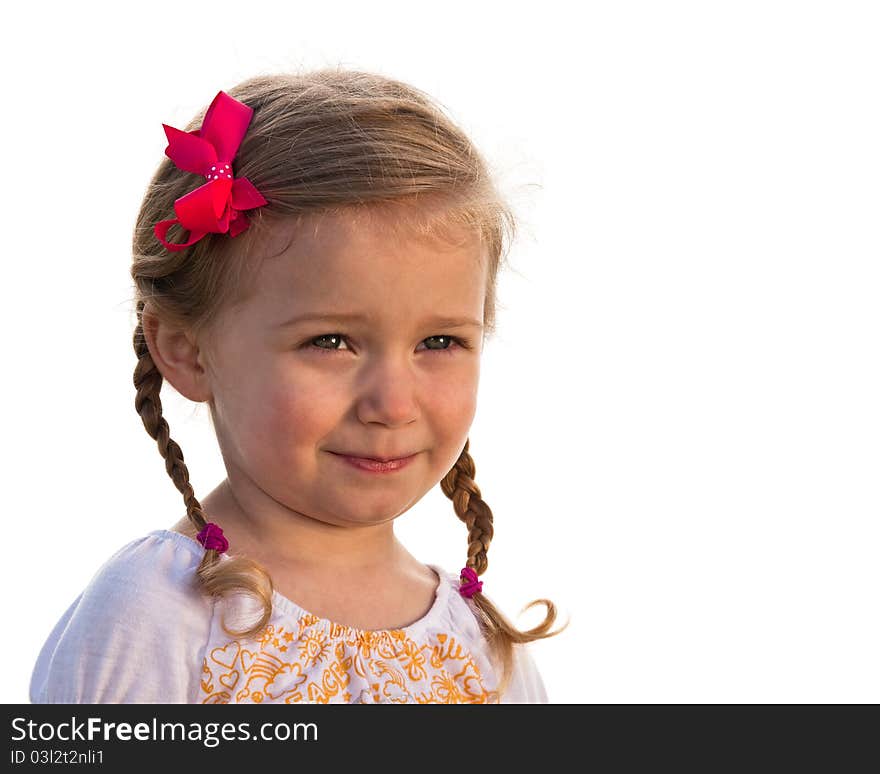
374, 466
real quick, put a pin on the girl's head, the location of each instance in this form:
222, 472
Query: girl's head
378, 208
289, 393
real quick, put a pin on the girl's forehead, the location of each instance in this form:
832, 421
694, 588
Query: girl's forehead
364, 249
345, 262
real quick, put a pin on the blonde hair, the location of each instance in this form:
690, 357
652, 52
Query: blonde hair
324, 142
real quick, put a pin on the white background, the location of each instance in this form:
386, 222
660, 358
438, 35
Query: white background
678, 429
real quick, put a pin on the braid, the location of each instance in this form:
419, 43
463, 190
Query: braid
459, 486
501, 634
147, 403
239, 573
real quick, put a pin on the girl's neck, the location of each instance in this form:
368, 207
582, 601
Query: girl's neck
386, 589
263, 529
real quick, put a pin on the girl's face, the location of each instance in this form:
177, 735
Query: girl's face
387, 373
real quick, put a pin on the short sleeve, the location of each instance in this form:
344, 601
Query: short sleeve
526, 685
136, 634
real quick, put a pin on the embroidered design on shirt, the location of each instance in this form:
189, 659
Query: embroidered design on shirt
321, 663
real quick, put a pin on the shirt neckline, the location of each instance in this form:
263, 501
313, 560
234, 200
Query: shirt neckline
441, 596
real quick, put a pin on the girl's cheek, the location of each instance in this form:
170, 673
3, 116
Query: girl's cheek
451, 403
299, 408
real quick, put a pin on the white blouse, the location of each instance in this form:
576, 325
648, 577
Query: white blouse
142, 632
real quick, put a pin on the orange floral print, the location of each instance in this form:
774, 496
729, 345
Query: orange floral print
320, 662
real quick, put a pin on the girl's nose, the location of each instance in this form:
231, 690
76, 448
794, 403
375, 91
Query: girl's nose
388, 393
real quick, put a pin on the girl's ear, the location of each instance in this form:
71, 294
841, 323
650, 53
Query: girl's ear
176, 355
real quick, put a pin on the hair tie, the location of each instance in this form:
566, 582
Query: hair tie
470, 584
218, 206
211, 537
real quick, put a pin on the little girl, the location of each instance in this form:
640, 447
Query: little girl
326, 288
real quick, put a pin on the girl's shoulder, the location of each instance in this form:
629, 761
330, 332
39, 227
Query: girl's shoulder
142, 602
526, 684
150, 574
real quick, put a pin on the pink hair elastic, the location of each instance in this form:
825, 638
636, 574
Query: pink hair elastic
211, 537
470, 583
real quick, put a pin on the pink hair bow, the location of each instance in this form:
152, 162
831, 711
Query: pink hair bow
218, 206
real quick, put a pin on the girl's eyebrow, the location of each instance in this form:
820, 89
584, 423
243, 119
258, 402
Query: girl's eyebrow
439, 320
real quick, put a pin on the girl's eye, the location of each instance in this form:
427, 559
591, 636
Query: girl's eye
326, 337
450, 343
